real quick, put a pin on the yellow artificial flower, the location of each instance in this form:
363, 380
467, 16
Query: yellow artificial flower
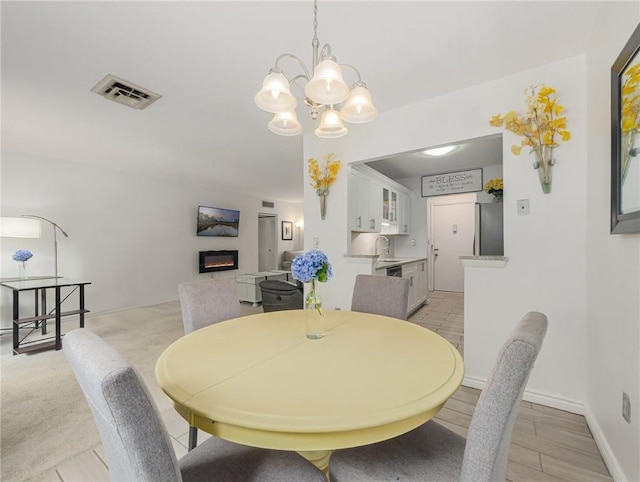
540, 124
322, 178
496, 121
631, 102
494, 185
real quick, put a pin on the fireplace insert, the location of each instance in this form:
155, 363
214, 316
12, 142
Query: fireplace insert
218, 260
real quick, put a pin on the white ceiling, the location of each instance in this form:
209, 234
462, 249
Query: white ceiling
208, 59
475, 153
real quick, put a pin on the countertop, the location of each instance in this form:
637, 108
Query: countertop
389, 262
381, 261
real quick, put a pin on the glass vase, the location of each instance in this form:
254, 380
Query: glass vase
313, 313
22, 270
322, 195
544, 163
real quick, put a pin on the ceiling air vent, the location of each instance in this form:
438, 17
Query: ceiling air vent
268, 204
125, 92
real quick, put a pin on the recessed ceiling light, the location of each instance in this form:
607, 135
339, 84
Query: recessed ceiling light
440, 151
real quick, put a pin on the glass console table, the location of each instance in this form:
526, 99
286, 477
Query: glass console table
40, 285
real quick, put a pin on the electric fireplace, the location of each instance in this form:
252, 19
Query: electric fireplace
218, 260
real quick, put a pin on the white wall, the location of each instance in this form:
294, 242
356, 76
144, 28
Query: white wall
547, 250
133, 237
613, 268
562, 259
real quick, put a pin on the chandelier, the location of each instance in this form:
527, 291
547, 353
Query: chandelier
327, 95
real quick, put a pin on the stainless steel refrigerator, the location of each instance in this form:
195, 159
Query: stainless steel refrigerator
489, 234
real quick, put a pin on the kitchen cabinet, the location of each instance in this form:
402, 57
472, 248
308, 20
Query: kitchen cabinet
375, 208
389, 206
414, 270
365, 208
416, 273
376, 203
409, 272
404, 214
421, 282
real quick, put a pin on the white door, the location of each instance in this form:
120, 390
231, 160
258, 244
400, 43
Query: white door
452, 231
267, 242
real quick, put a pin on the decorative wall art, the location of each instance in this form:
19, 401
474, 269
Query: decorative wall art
625, 138
287, 230
541, 127
323, 177
452, 183
217, 222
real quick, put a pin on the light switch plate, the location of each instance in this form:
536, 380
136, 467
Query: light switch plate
523, 207
316, 243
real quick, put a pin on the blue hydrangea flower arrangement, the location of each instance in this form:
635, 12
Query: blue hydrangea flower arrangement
22, 255
311, 265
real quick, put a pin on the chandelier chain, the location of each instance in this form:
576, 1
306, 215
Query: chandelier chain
315, 19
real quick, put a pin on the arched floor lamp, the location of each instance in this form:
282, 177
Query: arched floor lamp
28, 226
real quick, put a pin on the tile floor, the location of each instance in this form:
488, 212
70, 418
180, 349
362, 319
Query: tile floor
547, 444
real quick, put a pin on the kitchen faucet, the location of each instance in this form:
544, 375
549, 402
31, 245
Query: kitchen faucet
375, 245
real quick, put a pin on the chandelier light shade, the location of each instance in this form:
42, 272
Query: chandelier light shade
359, 109
331, 125
275, 96
327, 86
325, 92
285, 124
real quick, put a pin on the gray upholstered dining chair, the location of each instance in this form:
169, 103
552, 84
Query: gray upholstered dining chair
433, 452
136, 441
204, 303
382, 295
207, 302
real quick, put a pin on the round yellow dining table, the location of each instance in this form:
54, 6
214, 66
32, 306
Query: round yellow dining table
257, 380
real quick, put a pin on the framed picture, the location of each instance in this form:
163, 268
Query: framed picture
287, 230
625, 138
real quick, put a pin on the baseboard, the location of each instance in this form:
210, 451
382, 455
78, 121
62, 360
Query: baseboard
607, 453
535, 397
599, 438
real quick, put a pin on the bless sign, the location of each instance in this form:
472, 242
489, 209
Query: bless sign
452, 183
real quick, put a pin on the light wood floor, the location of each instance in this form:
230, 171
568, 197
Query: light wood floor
547, 444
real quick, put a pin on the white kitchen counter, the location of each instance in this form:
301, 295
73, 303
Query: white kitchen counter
389, 262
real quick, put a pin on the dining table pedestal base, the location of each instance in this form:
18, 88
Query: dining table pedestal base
319, 458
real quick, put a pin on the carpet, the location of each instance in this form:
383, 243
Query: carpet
44, 417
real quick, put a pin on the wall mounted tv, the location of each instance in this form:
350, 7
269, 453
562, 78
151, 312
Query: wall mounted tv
217, 222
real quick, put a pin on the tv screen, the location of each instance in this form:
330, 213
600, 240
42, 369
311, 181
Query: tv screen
217, 222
